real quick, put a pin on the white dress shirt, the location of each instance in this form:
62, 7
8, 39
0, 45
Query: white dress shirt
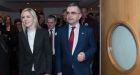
31, 37
76, 35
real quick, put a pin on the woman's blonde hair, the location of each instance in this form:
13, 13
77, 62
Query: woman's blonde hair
33, 13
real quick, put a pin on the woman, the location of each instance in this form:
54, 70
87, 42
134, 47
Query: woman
35, 55
8, 32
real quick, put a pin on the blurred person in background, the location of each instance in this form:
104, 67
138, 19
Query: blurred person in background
52, 29
2, 25
41, 18
4, 58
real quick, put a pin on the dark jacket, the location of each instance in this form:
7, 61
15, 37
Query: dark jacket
68, 63
4, 58
41, 57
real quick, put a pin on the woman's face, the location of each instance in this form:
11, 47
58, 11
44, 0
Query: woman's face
27, 19
8, 20
18, 24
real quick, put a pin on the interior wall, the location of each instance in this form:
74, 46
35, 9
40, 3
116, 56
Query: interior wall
13, 15
47, 11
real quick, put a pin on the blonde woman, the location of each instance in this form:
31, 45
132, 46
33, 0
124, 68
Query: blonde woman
35, 55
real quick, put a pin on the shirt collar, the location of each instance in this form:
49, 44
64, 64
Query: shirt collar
76, 26
52, 29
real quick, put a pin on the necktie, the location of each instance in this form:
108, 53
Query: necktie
71, 39
51, 38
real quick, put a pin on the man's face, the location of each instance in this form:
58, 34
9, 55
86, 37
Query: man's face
51, 23
73, 15
84, 12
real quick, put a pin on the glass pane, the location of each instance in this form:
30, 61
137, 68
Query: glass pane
123, 47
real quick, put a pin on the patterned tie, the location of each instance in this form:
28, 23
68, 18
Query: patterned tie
71, 39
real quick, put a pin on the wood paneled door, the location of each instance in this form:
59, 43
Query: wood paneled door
120, 37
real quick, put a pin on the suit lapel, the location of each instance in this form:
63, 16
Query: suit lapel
81, 33
36, 40
25, 42
66, 34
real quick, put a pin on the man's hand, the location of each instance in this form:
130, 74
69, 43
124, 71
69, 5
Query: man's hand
81, 57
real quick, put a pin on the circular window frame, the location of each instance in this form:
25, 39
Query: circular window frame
109, 46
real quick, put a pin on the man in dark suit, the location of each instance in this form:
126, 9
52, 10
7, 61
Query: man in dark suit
75, 45
51, 23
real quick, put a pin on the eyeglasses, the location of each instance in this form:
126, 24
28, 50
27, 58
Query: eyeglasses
72, 13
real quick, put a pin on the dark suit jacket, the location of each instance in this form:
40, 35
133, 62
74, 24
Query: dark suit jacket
68, 63
41, 57
4, 58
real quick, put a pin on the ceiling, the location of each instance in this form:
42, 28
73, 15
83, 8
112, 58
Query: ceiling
14, 5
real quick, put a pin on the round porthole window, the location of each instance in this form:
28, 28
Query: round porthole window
123, 48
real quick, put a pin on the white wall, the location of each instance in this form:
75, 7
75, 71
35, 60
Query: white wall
52, 11
48, 11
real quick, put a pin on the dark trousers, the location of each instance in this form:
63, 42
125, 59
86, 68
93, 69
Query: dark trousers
53, 66
30, 73
34, 73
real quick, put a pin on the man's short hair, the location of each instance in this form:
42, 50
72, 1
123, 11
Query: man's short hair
74, 4
52, 17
